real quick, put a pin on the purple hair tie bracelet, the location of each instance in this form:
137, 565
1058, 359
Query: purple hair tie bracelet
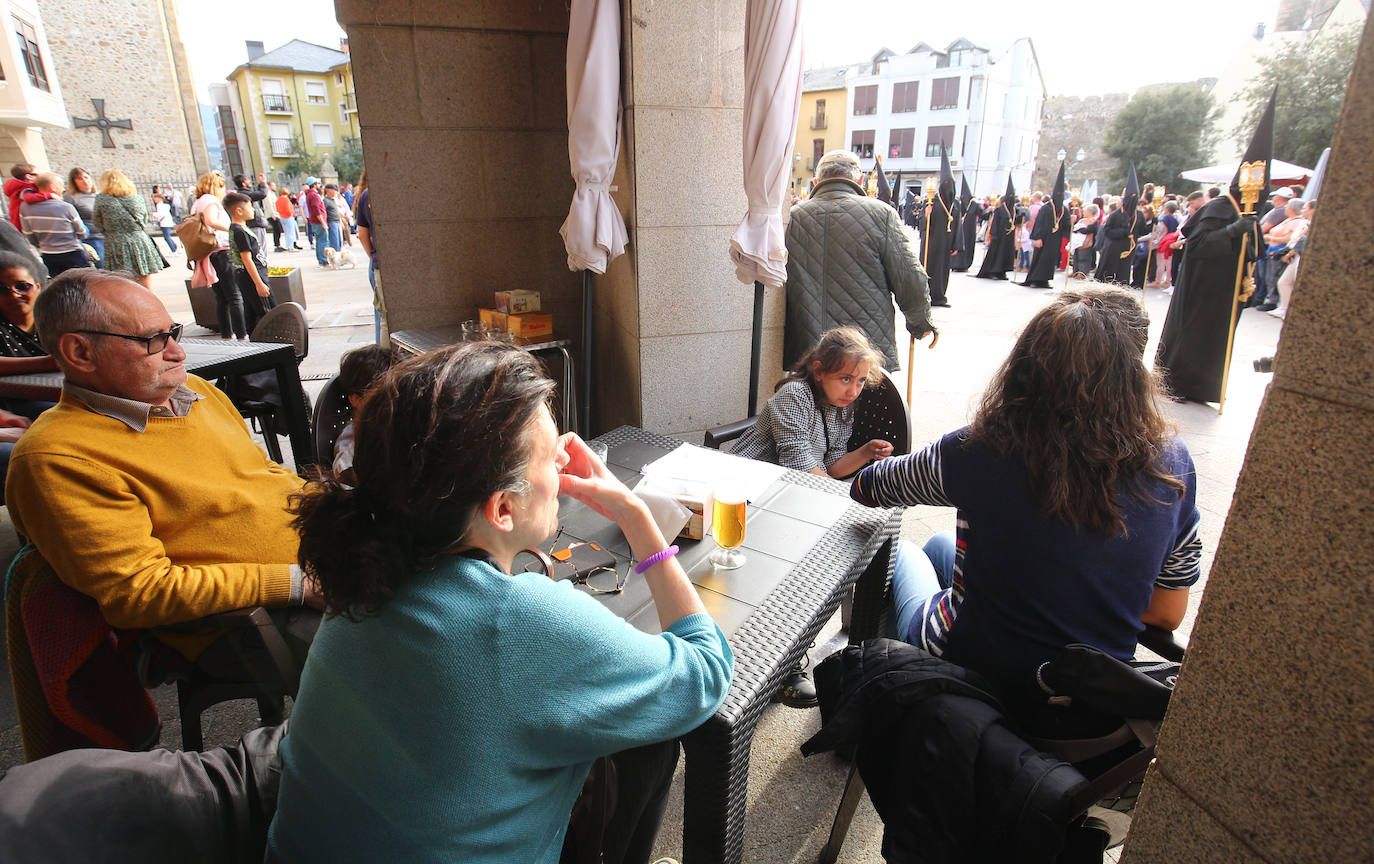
662, 555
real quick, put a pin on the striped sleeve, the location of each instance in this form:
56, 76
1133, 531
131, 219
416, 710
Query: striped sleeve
903, 480
1184, 564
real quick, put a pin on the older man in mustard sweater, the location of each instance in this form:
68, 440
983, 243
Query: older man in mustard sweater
142, 487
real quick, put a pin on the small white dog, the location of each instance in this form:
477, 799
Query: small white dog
339, 258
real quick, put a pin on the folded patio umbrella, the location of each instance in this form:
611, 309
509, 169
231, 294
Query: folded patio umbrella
772, 103
1314, 186
594, 232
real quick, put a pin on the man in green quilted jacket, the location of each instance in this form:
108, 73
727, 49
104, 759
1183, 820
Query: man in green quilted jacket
847, 258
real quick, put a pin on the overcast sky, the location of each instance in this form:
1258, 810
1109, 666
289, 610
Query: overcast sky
1085, 47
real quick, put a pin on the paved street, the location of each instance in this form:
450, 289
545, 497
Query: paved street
792, 800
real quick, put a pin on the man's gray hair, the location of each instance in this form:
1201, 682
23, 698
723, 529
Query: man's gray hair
838, 163
1296, 204
67, 305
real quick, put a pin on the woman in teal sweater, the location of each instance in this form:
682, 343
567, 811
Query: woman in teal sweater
450, 709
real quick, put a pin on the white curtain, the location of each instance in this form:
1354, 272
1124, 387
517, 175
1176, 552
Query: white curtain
772, 101
594, 232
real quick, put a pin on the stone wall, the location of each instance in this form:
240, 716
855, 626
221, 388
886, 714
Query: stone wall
1265, 754
123, 53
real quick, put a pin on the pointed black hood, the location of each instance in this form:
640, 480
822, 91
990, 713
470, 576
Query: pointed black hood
897, 189
1261, 149
965, 194
1130, 196
1009, 199
1057, 196
946, 188
884, 190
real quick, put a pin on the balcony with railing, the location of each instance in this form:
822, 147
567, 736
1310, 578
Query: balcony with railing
818, 121
283, 148
276, 103
350, 102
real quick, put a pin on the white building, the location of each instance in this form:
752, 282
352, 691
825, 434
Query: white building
30, 97
984, 107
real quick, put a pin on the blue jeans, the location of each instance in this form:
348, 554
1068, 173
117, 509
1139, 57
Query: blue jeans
317, 235
288, 230
376, 313
167, 235
98, 244
918, 575
335, 236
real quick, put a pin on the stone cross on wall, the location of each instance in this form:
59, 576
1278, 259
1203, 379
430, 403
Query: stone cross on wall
104, 125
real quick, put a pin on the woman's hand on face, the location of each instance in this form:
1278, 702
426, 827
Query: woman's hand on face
586, 478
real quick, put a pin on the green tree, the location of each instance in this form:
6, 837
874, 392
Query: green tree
349, 162
304, 162
1311, 77
1163, 132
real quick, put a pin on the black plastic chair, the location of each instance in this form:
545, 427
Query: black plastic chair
332, 413
879, 412
254, 394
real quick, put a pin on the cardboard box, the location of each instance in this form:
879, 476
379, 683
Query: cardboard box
530, 327
517, 301
491, 319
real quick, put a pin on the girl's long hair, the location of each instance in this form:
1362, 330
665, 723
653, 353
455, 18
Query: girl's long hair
835, 350
1075, 403
435, 437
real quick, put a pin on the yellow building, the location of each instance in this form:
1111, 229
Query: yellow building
297, 97
820, 127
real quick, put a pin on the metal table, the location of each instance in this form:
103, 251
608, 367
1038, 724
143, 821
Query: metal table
208, 358
422, 340
807, 544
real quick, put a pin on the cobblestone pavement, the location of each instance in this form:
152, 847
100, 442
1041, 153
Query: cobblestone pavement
791, 799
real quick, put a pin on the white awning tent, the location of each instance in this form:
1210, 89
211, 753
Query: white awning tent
1281, 173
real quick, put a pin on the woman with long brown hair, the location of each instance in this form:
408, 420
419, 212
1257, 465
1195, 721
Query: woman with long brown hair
1076, 518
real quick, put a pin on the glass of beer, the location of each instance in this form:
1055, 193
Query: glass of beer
727, 527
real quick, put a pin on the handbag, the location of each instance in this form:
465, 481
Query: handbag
198, 240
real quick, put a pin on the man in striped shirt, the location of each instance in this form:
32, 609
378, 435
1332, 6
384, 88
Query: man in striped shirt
53, 225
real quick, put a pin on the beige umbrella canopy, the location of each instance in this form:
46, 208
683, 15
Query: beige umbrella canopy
772, 101
594, 232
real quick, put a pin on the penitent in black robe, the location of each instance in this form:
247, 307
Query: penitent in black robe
967, 239
1112, 264
941, 227
1192, 347
1050, 231
1001, 252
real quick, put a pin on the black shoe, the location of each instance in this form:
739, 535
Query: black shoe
1267, 307
943, 304
1038, 284
798, 690
1001, 276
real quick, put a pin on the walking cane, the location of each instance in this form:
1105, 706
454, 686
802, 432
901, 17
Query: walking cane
1253, 179
1231, 333
911, 363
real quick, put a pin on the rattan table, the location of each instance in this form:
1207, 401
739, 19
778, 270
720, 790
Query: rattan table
807, 546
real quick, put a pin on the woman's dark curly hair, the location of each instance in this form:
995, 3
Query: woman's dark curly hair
1075, 403
435, 437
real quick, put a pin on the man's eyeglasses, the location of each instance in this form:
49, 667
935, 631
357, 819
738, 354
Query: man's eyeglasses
19, 289
155, 343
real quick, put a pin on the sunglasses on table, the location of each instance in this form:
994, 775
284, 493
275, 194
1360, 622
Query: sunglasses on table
154, 343
598, 579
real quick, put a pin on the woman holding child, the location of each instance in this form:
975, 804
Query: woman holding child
1076, 514
451, 709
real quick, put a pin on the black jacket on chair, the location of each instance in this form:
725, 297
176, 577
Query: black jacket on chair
949, 777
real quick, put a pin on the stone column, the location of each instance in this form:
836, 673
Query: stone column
1268, 750
463, 113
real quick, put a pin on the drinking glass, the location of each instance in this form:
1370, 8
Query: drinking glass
727, 527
